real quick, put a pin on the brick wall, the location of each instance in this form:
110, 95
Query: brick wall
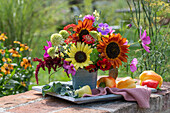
33, 102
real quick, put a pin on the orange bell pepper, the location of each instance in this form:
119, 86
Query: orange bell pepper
106, 82
150, 75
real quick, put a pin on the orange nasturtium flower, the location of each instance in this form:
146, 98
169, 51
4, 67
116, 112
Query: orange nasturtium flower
6, 68
2, 51
3, 37
25, 63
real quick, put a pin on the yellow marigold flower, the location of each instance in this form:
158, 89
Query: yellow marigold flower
25, 63
3, 37
17, 42
6, 68
6, 59
2, 51
16, 55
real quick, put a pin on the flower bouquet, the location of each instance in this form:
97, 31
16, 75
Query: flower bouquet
84, 47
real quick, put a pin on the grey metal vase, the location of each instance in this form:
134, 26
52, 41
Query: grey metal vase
83, 77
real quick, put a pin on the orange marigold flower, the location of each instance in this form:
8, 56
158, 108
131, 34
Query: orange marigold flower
2, 51
6, 68
3, 37
6, 59
23, 47
23, 84
13, 50
25, 63
16, 55
1, 75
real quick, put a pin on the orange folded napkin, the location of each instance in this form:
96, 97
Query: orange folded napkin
140, 95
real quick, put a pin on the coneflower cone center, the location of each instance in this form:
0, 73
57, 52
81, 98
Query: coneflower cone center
83, 32
112, 50
80, 57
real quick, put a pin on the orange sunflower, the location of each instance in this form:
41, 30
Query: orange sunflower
84, 28
113, 49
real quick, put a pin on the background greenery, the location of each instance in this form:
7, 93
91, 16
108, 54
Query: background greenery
33, 22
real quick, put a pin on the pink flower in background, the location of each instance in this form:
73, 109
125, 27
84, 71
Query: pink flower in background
145, 40
46, 48
133, 64
90, 17
111, 30
66, 64
126, 42
71, 70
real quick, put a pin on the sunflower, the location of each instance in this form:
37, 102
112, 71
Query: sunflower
84, 28
80, 55
113, 49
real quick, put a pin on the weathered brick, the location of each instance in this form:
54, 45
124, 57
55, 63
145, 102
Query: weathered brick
13, 100
47, 105
81, 110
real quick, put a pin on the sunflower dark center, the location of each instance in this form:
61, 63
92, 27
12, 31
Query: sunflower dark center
80, 57
83, 32
112, 50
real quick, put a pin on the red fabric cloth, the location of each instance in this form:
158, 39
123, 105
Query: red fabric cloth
140, 95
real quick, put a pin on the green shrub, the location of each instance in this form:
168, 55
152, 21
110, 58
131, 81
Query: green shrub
15, 68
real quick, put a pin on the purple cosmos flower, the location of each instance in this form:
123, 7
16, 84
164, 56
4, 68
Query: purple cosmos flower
71, 70
145, 40
90, 17
129, 25
46, 48
66, 64
103, 28
111, 30
133, 64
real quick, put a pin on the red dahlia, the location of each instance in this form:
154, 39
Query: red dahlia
104, 64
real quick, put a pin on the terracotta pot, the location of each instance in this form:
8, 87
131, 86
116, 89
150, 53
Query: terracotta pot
113, 73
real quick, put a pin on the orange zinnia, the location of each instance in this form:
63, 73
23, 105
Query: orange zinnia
84, 28
113, 49
25, 63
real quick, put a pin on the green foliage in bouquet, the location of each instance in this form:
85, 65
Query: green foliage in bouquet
15, 68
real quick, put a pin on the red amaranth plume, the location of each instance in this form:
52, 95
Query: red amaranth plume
49, 63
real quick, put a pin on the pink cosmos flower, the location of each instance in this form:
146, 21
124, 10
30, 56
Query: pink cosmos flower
90, 17
133, 64
111, 30
46, 48
71, 70
145, 40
